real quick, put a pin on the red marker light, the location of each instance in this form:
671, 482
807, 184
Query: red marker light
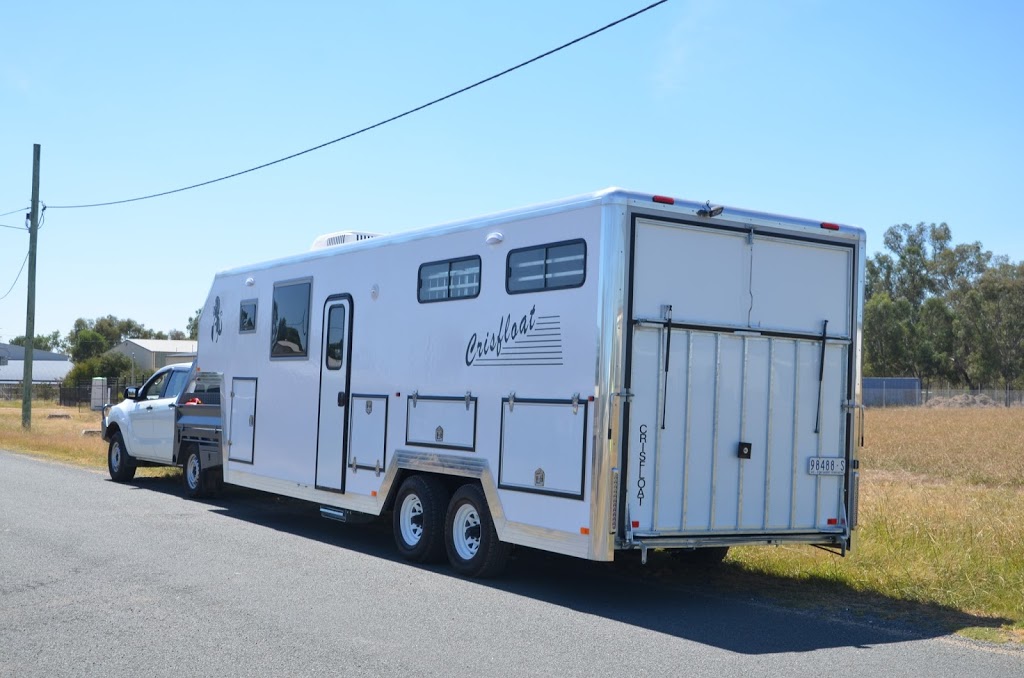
664, 200
636, 523
829, 226
833, 521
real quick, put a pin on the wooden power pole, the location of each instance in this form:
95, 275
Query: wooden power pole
30, 314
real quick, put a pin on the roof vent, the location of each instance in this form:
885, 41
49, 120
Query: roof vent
341, 238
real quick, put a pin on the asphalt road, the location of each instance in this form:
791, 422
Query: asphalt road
100, 579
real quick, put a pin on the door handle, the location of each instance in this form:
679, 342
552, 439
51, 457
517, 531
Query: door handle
342, 398
149, 407
170, 405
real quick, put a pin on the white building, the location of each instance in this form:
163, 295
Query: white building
47, 367
152, 354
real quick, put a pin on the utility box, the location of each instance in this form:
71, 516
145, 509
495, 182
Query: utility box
98, 394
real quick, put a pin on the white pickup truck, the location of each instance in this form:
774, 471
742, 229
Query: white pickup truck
140, 430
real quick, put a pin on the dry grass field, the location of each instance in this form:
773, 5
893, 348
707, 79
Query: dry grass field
59, 439
941, 520
941, 530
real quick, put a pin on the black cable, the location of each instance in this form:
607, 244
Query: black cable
16, 277
374, 126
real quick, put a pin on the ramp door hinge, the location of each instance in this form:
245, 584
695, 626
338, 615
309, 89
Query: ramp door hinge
415, 395
352, 465
469, 396
511, 401
575, 403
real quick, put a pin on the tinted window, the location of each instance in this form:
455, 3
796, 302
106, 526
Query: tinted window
546, 267
154, 388
289, 320
247, 317
452, 279
334, 356
175, 383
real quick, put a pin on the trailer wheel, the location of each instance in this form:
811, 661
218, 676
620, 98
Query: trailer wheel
470, 537
418, 519
193, 475
119, 463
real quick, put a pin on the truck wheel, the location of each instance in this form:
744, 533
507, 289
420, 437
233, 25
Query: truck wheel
418, 519
193, 475
469, 535
119, 463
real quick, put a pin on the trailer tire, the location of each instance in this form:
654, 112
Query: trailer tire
195, 479
469, 535
418, 519
120, 464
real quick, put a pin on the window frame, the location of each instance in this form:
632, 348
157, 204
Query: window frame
255, 315
545, 247
344, 339
448, 289
309, 300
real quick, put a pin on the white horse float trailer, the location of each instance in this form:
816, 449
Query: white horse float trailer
610, 372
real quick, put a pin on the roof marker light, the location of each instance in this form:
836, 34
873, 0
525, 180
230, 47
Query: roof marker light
829, 226
664, 200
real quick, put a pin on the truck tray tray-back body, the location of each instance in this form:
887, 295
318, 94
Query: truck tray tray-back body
739, 370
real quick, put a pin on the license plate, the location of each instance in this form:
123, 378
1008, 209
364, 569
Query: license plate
826, 466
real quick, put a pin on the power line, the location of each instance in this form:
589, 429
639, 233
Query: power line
16, 277
23, 209
17, 228
375, 125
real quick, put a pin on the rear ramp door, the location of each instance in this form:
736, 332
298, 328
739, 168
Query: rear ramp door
734, 387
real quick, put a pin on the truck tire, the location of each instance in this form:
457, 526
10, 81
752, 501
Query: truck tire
469, 535
119, 463
193, 475
418, 519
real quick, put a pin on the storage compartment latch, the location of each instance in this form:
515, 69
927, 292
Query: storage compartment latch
575, 403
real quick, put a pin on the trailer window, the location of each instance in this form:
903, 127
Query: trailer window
334, 356
289, 320
546, 267
451, 279
247, 316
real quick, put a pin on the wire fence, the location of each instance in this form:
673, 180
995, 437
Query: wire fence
78, 395
941, 397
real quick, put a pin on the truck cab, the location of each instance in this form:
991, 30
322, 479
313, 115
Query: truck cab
140, 429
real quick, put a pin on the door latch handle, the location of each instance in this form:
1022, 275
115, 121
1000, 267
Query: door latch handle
342, 398
149, 407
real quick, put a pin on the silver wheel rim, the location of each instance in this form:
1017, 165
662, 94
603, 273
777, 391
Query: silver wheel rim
192, 471
411, 519
115, 457
466, 531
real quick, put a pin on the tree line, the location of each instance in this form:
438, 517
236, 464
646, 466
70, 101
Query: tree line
89, 340
947, 314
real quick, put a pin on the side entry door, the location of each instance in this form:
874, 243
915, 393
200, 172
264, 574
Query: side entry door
335, 354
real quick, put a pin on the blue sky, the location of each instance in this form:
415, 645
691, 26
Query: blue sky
870, 113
